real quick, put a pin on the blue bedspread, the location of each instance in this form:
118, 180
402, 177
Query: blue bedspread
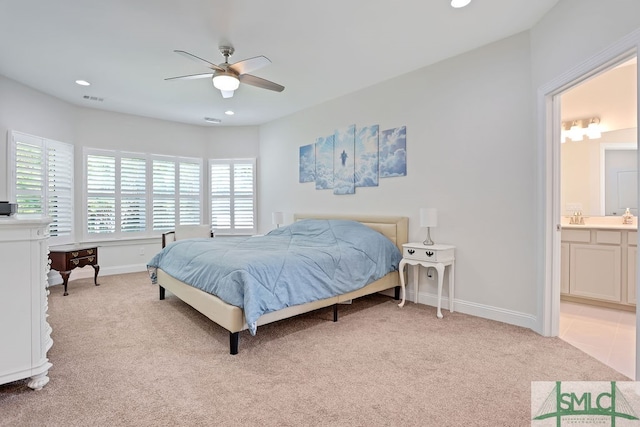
306, 261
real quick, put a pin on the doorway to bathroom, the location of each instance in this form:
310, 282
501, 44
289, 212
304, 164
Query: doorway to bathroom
598, 205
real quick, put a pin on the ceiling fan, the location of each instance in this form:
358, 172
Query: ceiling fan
227, 77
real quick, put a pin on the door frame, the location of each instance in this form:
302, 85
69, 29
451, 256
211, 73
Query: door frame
548, 140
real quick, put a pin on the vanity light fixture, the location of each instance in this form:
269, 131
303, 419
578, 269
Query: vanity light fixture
459, 3
575, 133
593, 129
277, 218
577, 129
428, 219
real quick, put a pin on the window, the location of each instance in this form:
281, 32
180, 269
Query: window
133, 194
41, 181
233, 200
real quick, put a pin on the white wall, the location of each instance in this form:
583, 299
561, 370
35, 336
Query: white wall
469, 149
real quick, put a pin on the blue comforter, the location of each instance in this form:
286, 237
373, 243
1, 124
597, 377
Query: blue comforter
306, 261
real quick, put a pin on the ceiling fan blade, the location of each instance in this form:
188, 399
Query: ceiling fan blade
198, 59
251, 64
227, 93
191, 77
260, 82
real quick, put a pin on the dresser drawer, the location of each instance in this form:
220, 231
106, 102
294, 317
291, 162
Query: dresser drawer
81, 253
428, 254
81, 262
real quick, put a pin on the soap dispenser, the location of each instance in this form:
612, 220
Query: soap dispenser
627, 218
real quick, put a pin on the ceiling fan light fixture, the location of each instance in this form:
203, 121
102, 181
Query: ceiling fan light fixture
226, 81
459, 3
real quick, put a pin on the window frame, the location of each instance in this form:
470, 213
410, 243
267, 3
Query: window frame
232, 162
46, 194
149, 232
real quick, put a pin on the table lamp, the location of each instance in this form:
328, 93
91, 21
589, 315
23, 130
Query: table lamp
428, 219
277, 218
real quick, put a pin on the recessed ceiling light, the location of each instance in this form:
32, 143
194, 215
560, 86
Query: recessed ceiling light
229, 113
83, 82
459, 3
212, 120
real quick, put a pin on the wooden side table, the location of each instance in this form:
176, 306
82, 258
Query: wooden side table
436, 256
66, 258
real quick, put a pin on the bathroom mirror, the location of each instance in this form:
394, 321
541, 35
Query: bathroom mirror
618, 179
599, 177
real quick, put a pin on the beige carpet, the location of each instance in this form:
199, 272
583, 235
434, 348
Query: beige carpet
121, 357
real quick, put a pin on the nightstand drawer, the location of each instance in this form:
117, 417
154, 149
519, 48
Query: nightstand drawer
84, 253
423, 253
81, 262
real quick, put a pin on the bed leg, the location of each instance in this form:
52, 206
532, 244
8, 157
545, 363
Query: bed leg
396, 293
161, 289
233, 342
335, 312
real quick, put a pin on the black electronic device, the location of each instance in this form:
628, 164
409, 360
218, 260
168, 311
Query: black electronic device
7, 208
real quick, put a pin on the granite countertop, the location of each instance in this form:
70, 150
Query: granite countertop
601, 223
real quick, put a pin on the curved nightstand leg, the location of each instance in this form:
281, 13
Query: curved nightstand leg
451, 285
38, 381
402, 284
440, 269
96, 269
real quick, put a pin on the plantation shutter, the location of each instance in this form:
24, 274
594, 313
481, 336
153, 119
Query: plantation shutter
101, 190
60, 188
164, 191
41, 181
30, 177
233, 196
190, 193
133, 194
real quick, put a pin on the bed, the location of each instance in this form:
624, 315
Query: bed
233, 318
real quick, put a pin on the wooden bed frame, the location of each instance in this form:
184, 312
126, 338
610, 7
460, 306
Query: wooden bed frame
232, 318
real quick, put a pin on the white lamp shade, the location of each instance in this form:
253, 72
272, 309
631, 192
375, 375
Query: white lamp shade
277, 218
428, 217
226, 82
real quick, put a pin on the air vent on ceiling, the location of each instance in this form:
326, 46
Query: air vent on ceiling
93, 98
212, 120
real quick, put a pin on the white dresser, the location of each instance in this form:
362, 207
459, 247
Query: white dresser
25, 334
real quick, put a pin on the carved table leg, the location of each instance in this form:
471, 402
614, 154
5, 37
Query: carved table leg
38, 381
65, 280
402, 284
95, 275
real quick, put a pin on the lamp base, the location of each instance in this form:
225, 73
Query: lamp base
428, 241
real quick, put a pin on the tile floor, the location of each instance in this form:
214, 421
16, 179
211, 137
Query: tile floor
605, 334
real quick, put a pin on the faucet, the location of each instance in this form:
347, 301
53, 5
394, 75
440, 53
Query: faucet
577, 218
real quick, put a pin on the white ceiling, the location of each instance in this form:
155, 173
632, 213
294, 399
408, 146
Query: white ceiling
319, 50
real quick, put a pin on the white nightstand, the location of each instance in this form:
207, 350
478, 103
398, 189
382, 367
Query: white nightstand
437, 256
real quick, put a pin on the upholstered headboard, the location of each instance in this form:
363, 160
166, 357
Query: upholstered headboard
395, 228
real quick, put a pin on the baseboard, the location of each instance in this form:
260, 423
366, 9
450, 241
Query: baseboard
88, 272
474, 309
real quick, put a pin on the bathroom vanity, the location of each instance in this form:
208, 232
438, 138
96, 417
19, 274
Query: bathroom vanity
598, 264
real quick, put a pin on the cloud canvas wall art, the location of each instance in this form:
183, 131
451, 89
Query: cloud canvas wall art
307, 163
393, 152
324, 163
366, 159
344, 161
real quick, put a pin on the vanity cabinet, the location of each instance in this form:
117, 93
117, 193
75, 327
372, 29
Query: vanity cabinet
632, 262
25, 334
599, 265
